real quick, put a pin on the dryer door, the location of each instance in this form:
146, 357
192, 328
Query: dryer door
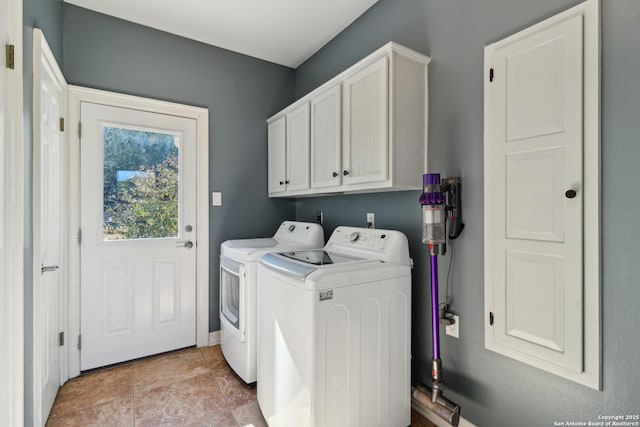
232, 290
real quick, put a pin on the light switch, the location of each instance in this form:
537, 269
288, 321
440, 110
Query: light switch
216, 198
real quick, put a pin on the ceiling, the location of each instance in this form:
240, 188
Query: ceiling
286, 32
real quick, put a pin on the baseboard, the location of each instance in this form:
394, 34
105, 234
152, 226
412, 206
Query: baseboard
214, 338
435, 419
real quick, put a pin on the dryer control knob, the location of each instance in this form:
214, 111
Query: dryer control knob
354, 236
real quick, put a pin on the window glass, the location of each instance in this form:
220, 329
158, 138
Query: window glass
140, 190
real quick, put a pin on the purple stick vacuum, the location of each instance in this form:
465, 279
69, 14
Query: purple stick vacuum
435, 211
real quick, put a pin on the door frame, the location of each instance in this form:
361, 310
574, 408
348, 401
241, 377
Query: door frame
42, 55
78, 95
12, 278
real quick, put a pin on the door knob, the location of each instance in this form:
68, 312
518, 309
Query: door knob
186, 244
345, 173
570, 194
335, 174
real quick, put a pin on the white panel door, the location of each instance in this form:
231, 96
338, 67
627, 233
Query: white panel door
298, 129
535, 155
326, 139
138, 218
365, 137
48, 231
277, 140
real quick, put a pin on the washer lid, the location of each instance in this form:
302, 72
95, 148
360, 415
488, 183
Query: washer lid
318, 257
252, 249
299, 264
291, 235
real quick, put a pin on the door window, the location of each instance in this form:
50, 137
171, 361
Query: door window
140, 184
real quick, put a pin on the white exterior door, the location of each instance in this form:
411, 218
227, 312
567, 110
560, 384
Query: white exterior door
48, 227
365, 137
297, 164
138, 219
326, 139
534, 190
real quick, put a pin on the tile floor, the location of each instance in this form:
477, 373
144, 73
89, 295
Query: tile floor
187, 387
192, 387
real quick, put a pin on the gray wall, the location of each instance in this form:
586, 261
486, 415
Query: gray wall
240, 92
46, 15
494, 390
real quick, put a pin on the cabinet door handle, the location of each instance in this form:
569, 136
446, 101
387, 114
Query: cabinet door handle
281, 182
345, 173
48, 268
570, 194
335, 174
287, 182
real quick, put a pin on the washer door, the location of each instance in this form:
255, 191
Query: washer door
232, 289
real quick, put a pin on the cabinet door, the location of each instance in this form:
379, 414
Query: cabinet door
298, 149
365, 137
533, 156
325, 139
276, 163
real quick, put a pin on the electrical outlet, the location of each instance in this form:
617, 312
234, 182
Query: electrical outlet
371, 220
454, 329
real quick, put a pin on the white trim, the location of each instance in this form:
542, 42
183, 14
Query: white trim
79, 94
214, 338
42, 55
592, 374
12, 275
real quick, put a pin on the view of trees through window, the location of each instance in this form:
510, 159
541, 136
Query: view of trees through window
140, 184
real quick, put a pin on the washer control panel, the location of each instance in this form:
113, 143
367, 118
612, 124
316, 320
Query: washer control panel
389, 245
301, 232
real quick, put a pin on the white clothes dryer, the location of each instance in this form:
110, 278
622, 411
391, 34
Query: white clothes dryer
334, 340
238, 292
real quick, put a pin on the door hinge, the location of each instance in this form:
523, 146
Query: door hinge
491, 74
61, 339
10, 56
61, 124
79, 342
491, 318
79, 235
79, 130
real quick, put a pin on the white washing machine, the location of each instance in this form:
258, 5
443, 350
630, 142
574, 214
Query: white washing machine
334, 332
238, 292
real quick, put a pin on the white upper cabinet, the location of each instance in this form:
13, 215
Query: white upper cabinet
298, 149
539, 300
368, 127
277, 155
288, 151
326, 139
365, 129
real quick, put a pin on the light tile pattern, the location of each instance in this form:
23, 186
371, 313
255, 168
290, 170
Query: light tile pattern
192, 387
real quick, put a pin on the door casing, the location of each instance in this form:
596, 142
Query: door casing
12, 222
79, 94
